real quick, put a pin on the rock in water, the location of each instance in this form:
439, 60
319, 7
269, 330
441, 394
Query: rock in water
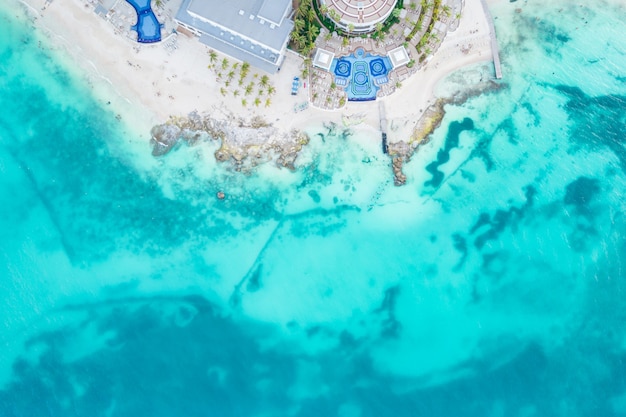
164, 138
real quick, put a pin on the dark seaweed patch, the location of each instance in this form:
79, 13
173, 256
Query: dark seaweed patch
443, 156
580, 193
598, 121
391, 326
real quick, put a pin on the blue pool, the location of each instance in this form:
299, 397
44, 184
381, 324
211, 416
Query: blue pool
361, 74
148, 27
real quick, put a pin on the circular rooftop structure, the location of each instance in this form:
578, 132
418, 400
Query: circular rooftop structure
359, 16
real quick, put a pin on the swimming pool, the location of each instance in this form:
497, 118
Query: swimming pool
361, 74
148, 27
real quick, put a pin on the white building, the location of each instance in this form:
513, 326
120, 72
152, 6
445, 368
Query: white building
358, 16
255, 31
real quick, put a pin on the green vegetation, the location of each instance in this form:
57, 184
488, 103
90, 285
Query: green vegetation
383, 28
306, 28
322, 15
418, 25
310, 17
428, 36
226, 73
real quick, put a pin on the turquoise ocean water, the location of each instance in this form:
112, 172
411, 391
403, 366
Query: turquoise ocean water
492, 284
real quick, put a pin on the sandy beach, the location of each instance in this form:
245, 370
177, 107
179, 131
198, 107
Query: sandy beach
156, 82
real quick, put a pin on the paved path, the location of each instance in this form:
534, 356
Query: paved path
494, 42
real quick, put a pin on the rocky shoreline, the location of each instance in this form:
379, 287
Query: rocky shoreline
401, 152
245, 143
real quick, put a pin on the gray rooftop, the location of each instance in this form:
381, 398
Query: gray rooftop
244, 17
274, 10
225, 28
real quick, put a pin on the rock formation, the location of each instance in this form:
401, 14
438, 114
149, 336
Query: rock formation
244, 143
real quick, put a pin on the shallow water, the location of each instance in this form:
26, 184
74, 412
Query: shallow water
490, 285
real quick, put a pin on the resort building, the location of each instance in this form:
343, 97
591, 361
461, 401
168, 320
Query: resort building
357, 16
255, 31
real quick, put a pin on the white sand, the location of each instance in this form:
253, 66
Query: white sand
157, 84
405, 106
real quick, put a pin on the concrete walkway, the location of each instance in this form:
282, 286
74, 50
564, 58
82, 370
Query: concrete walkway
495, 50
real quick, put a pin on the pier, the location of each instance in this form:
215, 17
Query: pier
383, 126
495, 50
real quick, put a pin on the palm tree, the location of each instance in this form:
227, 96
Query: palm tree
264, 81
248, 89
223, 91
244, 102
231, 74
298, 25
257, 102
324, 9
311, 34
268, 102
271, 90
212, 56
245, 67
235, 93
225, 63
351, 27
303, 7
298, 39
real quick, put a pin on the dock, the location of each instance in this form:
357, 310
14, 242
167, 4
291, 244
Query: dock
495, 50
383, 126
